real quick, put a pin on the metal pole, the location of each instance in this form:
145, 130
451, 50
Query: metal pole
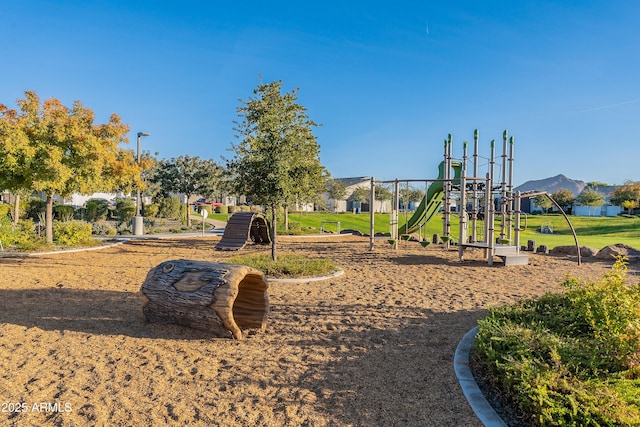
510, 187
474, 209
503, 196
372, 216
138, 198
138, 221
462, 235
396, 204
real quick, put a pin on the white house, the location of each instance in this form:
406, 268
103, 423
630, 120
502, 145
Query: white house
347, 204
606, 209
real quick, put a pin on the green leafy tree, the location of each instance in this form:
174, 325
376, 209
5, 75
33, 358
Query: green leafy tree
543, 202
187, 175
563, 197
630, 191
590, 198
336, 189
629, 205
16, 155
360, 195
277, 160
66, 153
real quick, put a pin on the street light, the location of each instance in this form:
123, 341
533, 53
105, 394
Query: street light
139, 221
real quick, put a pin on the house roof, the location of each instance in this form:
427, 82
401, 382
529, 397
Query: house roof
348, 182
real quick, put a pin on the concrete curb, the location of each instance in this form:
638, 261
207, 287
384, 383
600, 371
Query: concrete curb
307, 279
483, 410
62, 251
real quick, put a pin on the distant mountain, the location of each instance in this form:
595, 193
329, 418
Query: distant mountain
553, 184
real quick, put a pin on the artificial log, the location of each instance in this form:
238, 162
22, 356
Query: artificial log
225, 299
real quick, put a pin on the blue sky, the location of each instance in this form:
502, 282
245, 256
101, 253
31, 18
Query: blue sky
387, 80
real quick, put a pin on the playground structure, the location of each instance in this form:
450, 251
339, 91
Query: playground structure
244, 227
479, 199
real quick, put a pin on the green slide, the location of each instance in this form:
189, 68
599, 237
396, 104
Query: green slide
431, 202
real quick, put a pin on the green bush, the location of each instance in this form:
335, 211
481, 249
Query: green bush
232, 209
96, 210
35, 209
5, 209
222, 209
103, 229
63, 212
568, 359
125, 210
169, 207
151, 210
72, 233
22, 236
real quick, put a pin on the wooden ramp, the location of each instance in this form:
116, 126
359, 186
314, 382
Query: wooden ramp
242, 228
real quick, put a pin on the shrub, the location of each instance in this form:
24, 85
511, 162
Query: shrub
72, 233
125, 210
232, 209
5, 209
151, 210
169, 207
567, 358
63, 213
103, 229
222, 209
35, 209
96, 210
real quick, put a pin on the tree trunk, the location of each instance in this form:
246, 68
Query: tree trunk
16, 210
48, 219
286, 218
274, 255
225, 299
188, 214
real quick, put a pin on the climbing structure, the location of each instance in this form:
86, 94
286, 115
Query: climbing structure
244, 227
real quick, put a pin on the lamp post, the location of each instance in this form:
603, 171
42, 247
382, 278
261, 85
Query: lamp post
138, 224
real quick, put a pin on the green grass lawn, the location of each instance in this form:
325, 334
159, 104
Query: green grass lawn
596, 232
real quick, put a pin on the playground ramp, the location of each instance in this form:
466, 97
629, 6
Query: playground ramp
431, 202
242, 228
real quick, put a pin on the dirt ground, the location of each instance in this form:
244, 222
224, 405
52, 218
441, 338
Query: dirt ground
373, 347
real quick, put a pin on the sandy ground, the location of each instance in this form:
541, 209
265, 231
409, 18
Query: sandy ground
373, 347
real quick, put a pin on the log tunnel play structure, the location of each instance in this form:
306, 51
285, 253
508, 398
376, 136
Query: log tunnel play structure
227, 300
244, 227
480, 201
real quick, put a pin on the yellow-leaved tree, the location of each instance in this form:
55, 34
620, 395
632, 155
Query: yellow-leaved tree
60, 150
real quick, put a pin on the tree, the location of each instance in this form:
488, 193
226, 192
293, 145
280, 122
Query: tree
563, 197
187, 175
67, 153
336, 189
16, 155
542, 202
277, 160
591, 198
629, 205
381, 193
630, 191
409, 194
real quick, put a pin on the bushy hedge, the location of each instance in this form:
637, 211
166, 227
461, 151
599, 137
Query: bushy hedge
151, 210
72, 233
96, 210
63, 212
568, 359
222, 209
125, 210
169, 207
22, 236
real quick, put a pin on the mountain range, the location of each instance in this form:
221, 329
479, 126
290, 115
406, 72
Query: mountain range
553, 184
